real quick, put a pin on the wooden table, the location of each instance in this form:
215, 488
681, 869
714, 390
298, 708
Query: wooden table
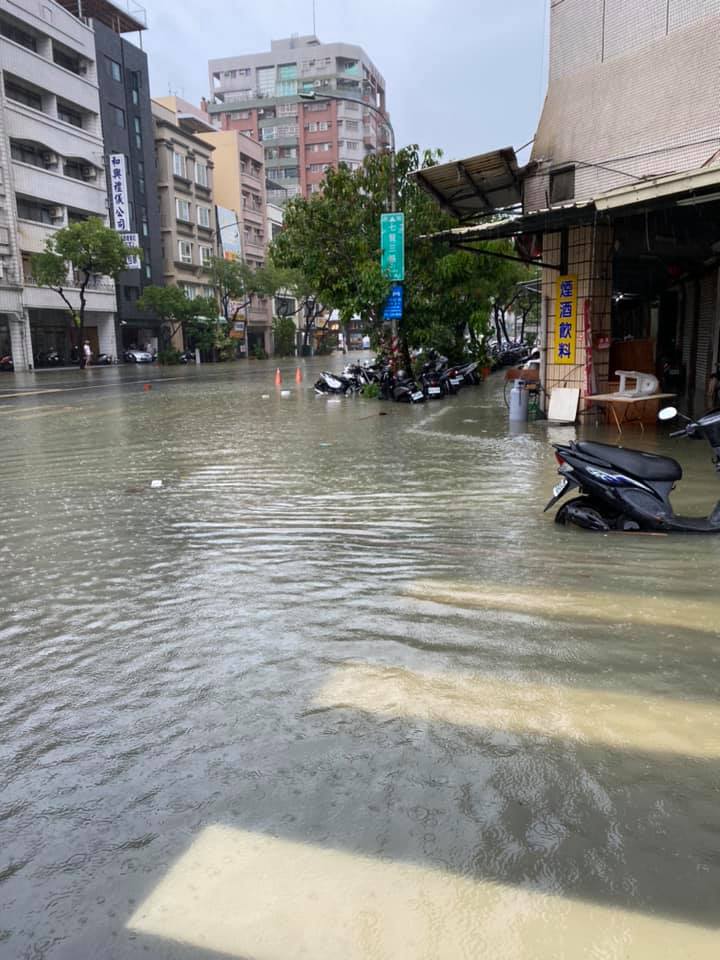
614, 400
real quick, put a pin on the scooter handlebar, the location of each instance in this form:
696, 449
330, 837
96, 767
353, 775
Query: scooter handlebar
679, 433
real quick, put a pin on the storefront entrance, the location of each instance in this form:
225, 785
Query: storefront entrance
6, 359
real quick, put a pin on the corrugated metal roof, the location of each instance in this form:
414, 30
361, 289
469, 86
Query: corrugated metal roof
476, 186
540, 221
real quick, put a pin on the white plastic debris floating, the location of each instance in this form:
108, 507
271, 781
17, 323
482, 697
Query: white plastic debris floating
265, 396
284, 394
156, 484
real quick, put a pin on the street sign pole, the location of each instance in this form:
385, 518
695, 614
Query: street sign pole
392, 246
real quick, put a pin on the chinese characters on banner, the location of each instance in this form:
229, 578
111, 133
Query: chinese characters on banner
118, 192
566, 319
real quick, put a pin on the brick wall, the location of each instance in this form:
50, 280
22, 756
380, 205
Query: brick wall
633, 91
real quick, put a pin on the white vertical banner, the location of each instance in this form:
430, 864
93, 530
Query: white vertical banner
132, 240
119, 193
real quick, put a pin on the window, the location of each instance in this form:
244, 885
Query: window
131, 293
289, 130
148, 270
185, 251
240, 115
135, 87
315, 107
351, 145
114, 69
182, 210
67, 60
79, 170
141, 176
68, 114
320, 147
324, 125
351, 124
179, 166
562, 185
286, 110
244, 72
319, 167
202, 178
26, 153
203, 216
312, 128
17, 35
144, 225
189, 290
266, 81
205, 256
38, 212
137, 127
14, 91
118, 116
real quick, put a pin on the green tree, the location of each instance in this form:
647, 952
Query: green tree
89, 249
284, 336
234, 282
177, 311
333, 241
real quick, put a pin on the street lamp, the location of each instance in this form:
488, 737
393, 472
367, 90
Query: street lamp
371, 106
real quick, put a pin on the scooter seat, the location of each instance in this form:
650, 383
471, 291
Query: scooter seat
644, 466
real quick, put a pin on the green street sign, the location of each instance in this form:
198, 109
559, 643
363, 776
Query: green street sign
392, 244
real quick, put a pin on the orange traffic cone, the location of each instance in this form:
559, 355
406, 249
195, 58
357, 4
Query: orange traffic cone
278, 377
298, 375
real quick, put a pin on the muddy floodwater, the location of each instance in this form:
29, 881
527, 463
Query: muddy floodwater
338, 689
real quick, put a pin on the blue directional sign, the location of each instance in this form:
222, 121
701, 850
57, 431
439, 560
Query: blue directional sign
394, 303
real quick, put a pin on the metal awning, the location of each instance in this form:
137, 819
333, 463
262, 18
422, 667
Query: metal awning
477, 186
542, 221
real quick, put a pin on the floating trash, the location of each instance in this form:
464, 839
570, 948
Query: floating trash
156, 484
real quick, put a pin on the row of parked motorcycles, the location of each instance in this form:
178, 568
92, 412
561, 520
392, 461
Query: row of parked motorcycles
435, 380
507, 353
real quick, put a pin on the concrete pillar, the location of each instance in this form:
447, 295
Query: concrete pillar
107, 341
21, 342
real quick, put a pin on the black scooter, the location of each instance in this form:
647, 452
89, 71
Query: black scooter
629, 489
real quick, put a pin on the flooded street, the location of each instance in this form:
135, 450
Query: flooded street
339, 689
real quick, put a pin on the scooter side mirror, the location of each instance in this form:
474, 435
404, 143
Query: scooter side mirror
667, 413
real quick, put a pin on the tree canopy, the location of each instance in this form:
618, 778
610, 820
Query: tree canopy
90, 249
333, 241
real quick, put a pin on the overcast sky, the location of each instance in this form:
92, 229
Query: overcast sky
463, 75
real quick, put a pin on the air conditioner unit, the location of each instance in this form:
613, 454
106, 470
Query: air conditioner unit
82, 69
50, 159
88, 173
56, 213
2, 270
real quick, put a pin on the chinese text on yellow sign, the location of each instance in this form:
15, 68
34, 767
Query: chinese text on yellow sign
566, 319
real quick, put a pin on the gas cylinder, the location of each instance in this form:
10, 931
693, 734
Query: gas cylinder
518, 401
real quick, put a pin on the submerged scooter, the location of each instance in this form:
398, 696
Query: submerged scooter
629, 489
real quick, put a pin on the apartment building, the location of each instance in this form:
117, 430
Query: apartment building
239, 185
185, 190
127, 123
51, 172
262, 95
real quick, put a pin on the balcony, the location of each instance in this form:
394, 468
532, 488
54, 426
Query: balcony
30, 66
57, 189
99, 295
23, 123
